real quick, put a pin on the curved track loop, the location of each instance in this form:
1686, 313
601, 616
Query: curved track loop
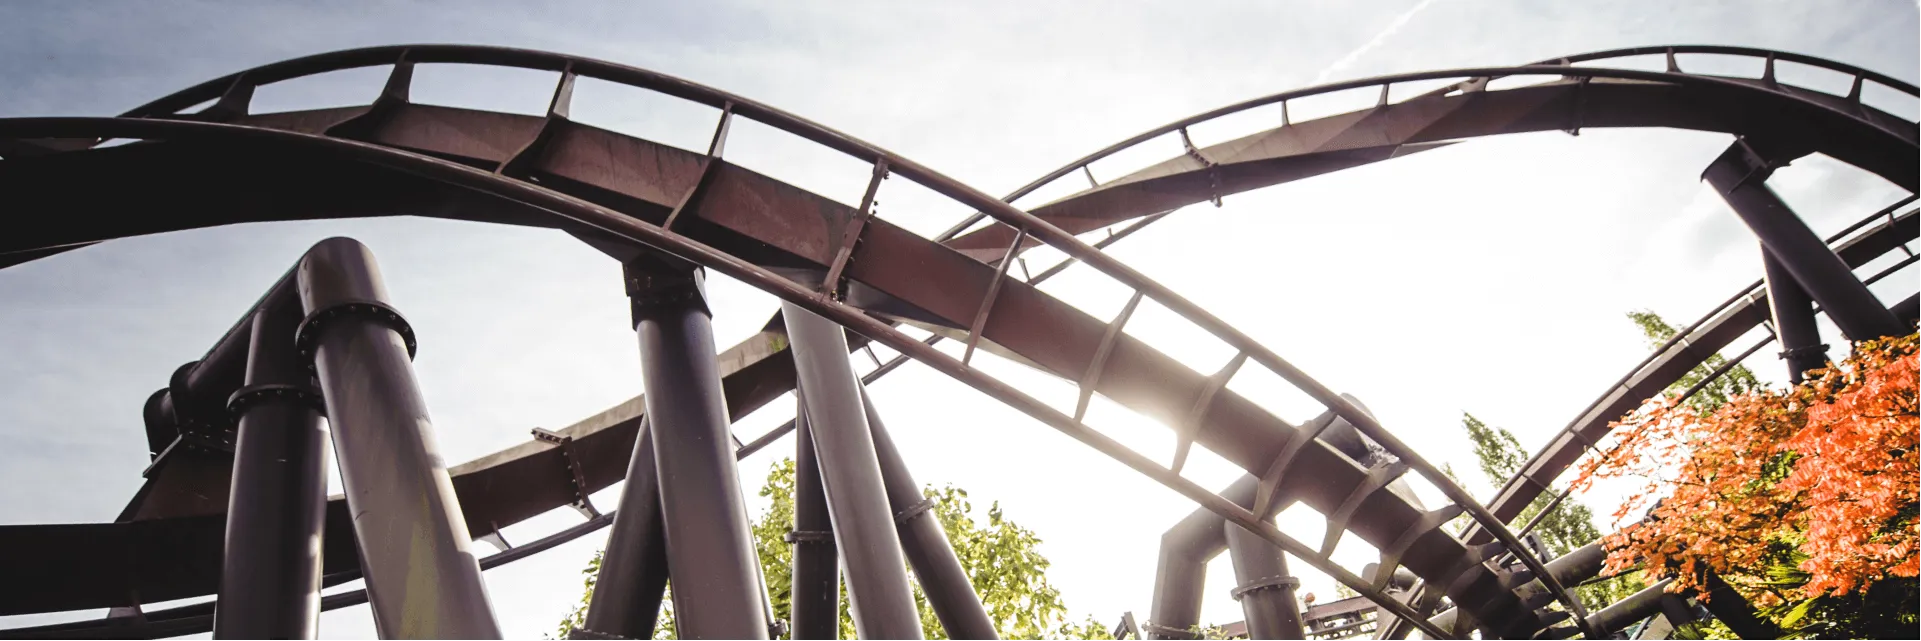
1584, 97
567, 157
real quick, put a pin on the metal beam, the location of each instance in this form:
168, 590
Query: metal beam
633, 569
815, 604
1265, 590
276, 511
1793, 312
421, 573
877, 589
709, 547
1740, 176
922, 539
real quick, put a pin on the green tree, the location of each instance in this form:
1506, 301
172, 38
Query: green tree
1569, 526
1001, 558
1736, 381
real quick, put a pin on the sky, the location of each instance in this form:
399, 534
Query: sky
1490, 277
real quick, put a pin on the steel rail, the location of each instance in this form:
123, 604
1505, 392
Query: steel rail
1368, 83
1007, 214
632, 230
1043, 231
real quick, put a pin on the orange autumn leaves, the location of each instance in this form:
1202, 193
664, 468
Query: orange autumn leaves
1828, 467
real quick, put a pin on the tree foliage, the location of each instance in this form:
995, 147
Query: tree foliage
1820, 478
1001, 558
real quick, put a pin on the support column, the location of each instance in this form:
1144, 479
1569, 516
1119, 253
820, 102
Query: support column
423, 580
1740, 175
816, 584
633, 571
925, 542
276, 512
1266, 590
877, 589
710, 552
1185, 550
1793, 314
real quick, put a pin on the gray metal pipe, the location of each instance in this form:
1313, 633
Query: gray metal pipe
815, 601
422, 578
276, 512
1793, 312
633, 570
710, 551
877, 588
1736, 612
1266, 590
1739, 175
1185, 551
942, 579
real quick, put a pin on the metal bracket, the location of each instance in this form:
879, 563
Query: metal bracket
1265, 583
1202, 403
719, 143
575, 474
1821, 349
993, 293
1213, 168
1377, 477
306, 338
1580, 105
656, 279
831, 284
1093, 375
1264, 503
808, 536
581, 632
917, 509
247, 397
1391, 555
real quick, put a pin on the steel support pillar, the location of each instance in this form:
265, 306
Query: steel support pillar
276, 512
1740, 176
1185, 550
816, 581
422, 578
1266, 590
1623, 613
633, 570
1793, 314
710, 552
877, 589
925, 542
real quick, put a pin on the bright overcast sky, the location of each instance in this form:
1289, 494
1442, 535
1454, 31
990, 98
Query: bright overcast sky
1488, 277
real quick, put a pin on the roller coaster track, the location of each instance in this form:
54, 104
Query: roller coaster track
225, 165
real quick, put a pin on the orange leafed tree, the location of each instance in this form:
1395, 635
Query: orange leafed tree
1827, 468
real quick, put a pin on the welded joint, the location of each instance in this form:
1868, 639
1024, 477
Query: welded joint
233, 103
1265, 583
1270, 485
250, 396
1579, 104
576, 476
1213, 168
1203, 403
1391, 555
831, 284
808, 536
1755, 166
691, 200
1092, 377
902, 517
719, 143
993, 294
307, 337
1378, 476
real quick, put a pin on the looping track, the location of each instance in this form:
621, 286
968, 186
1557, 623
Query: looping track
622, 194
